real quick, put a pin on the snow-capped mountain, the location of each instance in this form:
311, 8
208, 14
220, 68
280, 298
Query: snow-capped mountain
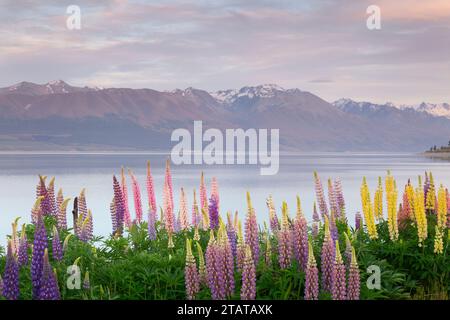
435, 109
52, 87
262, 91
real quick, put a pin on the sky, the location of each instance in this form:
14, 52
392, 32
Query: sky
321, 46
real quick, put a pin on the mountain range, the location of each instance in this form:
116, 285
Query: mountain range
58, 116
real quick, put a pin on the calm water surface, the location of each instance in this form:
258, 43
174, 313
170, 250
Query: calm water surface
19, 176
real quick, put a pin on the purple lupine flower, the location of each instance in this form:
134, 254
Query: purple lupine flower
358, 221
215, 269
248, 289
332, 199
285, 240
300, 237
11, 276
176, 225
320, 196
56, 245
339, 195
45, 203
327, 259
251, 230
1, 285
213, 211
339, 289
119, 207
112, 210
23, 248
151, 227
86, 281
62, 210
191, 276
51, 198
333, 228
228, 260
37, 258
273, 219
231, 233
316, 221
312, 276
49, 289
348, 251
353, 279
240, 249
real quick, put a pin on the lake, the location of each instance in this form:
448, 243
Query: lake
19, 176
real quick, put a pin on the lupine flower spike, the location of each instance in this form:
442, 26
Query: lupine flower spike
201, 264
23, 248
285, 240
136, 197
251, 230
312, 276
367, 207
273, 219
11, 275
300, 237
327, 259
190, 273
248, 289
37, 259
215, 269
339, 288
320, 196
124, 188
49, 289
353, 279
56, 245
86, 281
119, 208
184, 222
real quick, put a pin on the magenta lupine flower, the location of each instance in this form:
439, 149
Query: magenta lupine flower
358, 221
37, 258
353, 279
339, 196
49, 289
300, 237
215, 191
11, 276
136, 197
56, 245
273, 219
191, 275
184, 223
327, 259
316, 221
119, 207
23, 248
213, 211
251, 230
320, 196
248, 289
151, 190
86, 281
312, 276
285, 241
231, 233
61, 204
168, 208
339, 290
215, 269
168, 182
203, 195
126, 208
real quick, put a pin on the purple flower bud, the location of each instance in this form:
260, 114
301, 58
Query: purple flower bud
11, 276
37, 259
49, 289
56, 246
213, 213
23, 249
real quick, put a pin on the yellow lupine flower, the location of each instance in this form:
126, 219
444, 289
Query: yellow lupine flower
367, 209
391, 197
431, 194
442, 207
438, 241
378, 201
419, 213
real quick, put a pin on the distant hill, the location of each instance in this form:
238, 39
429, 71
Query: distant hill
58, 116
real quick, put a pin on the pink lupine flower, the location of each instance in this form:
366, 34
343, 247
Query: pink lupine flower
195, 219
184, 223
339, 196
327, 259
248, 289
316, 222
127, 215
312, 276
36, 210
300, 237
228, 260
215, 269
168, 182
285, 241
339, 289
61, 204
136, 197
203, 195
168, 210
251, 230
190, 273
151, 191
332, 199
273, 219
353, 279
320, 196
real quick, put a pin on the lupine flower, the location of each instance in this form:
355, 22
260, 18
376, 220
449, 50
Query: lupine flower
201, 265
213, 211
312, 276
215, 191
332, 200
45, 204
273, 219
126, 208
240, 249
215, 269
320, 196
327, 259
300, 237
285, 240
353, 279
368, 211
316, 221
51, 197
195, 219
441, 220
112, 210
196, 234
203, 195
168, 208
333, 227
86, 281
268, 255
23, 248
62, 211
11, 275
430, 195
15, 237
339, 289
190, 273
248, 289
36, 209
56, 245
177, 225
205, 220
1, 286
420, 215
391, 199
358, 221
251, 230
168, 182
151, 190
184, 223
231, 232
118, 207
228, 260
49, 289
37, 259
339, 196
82, 206
348, 250
378, 201
66, 242
151, 227
136, 197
